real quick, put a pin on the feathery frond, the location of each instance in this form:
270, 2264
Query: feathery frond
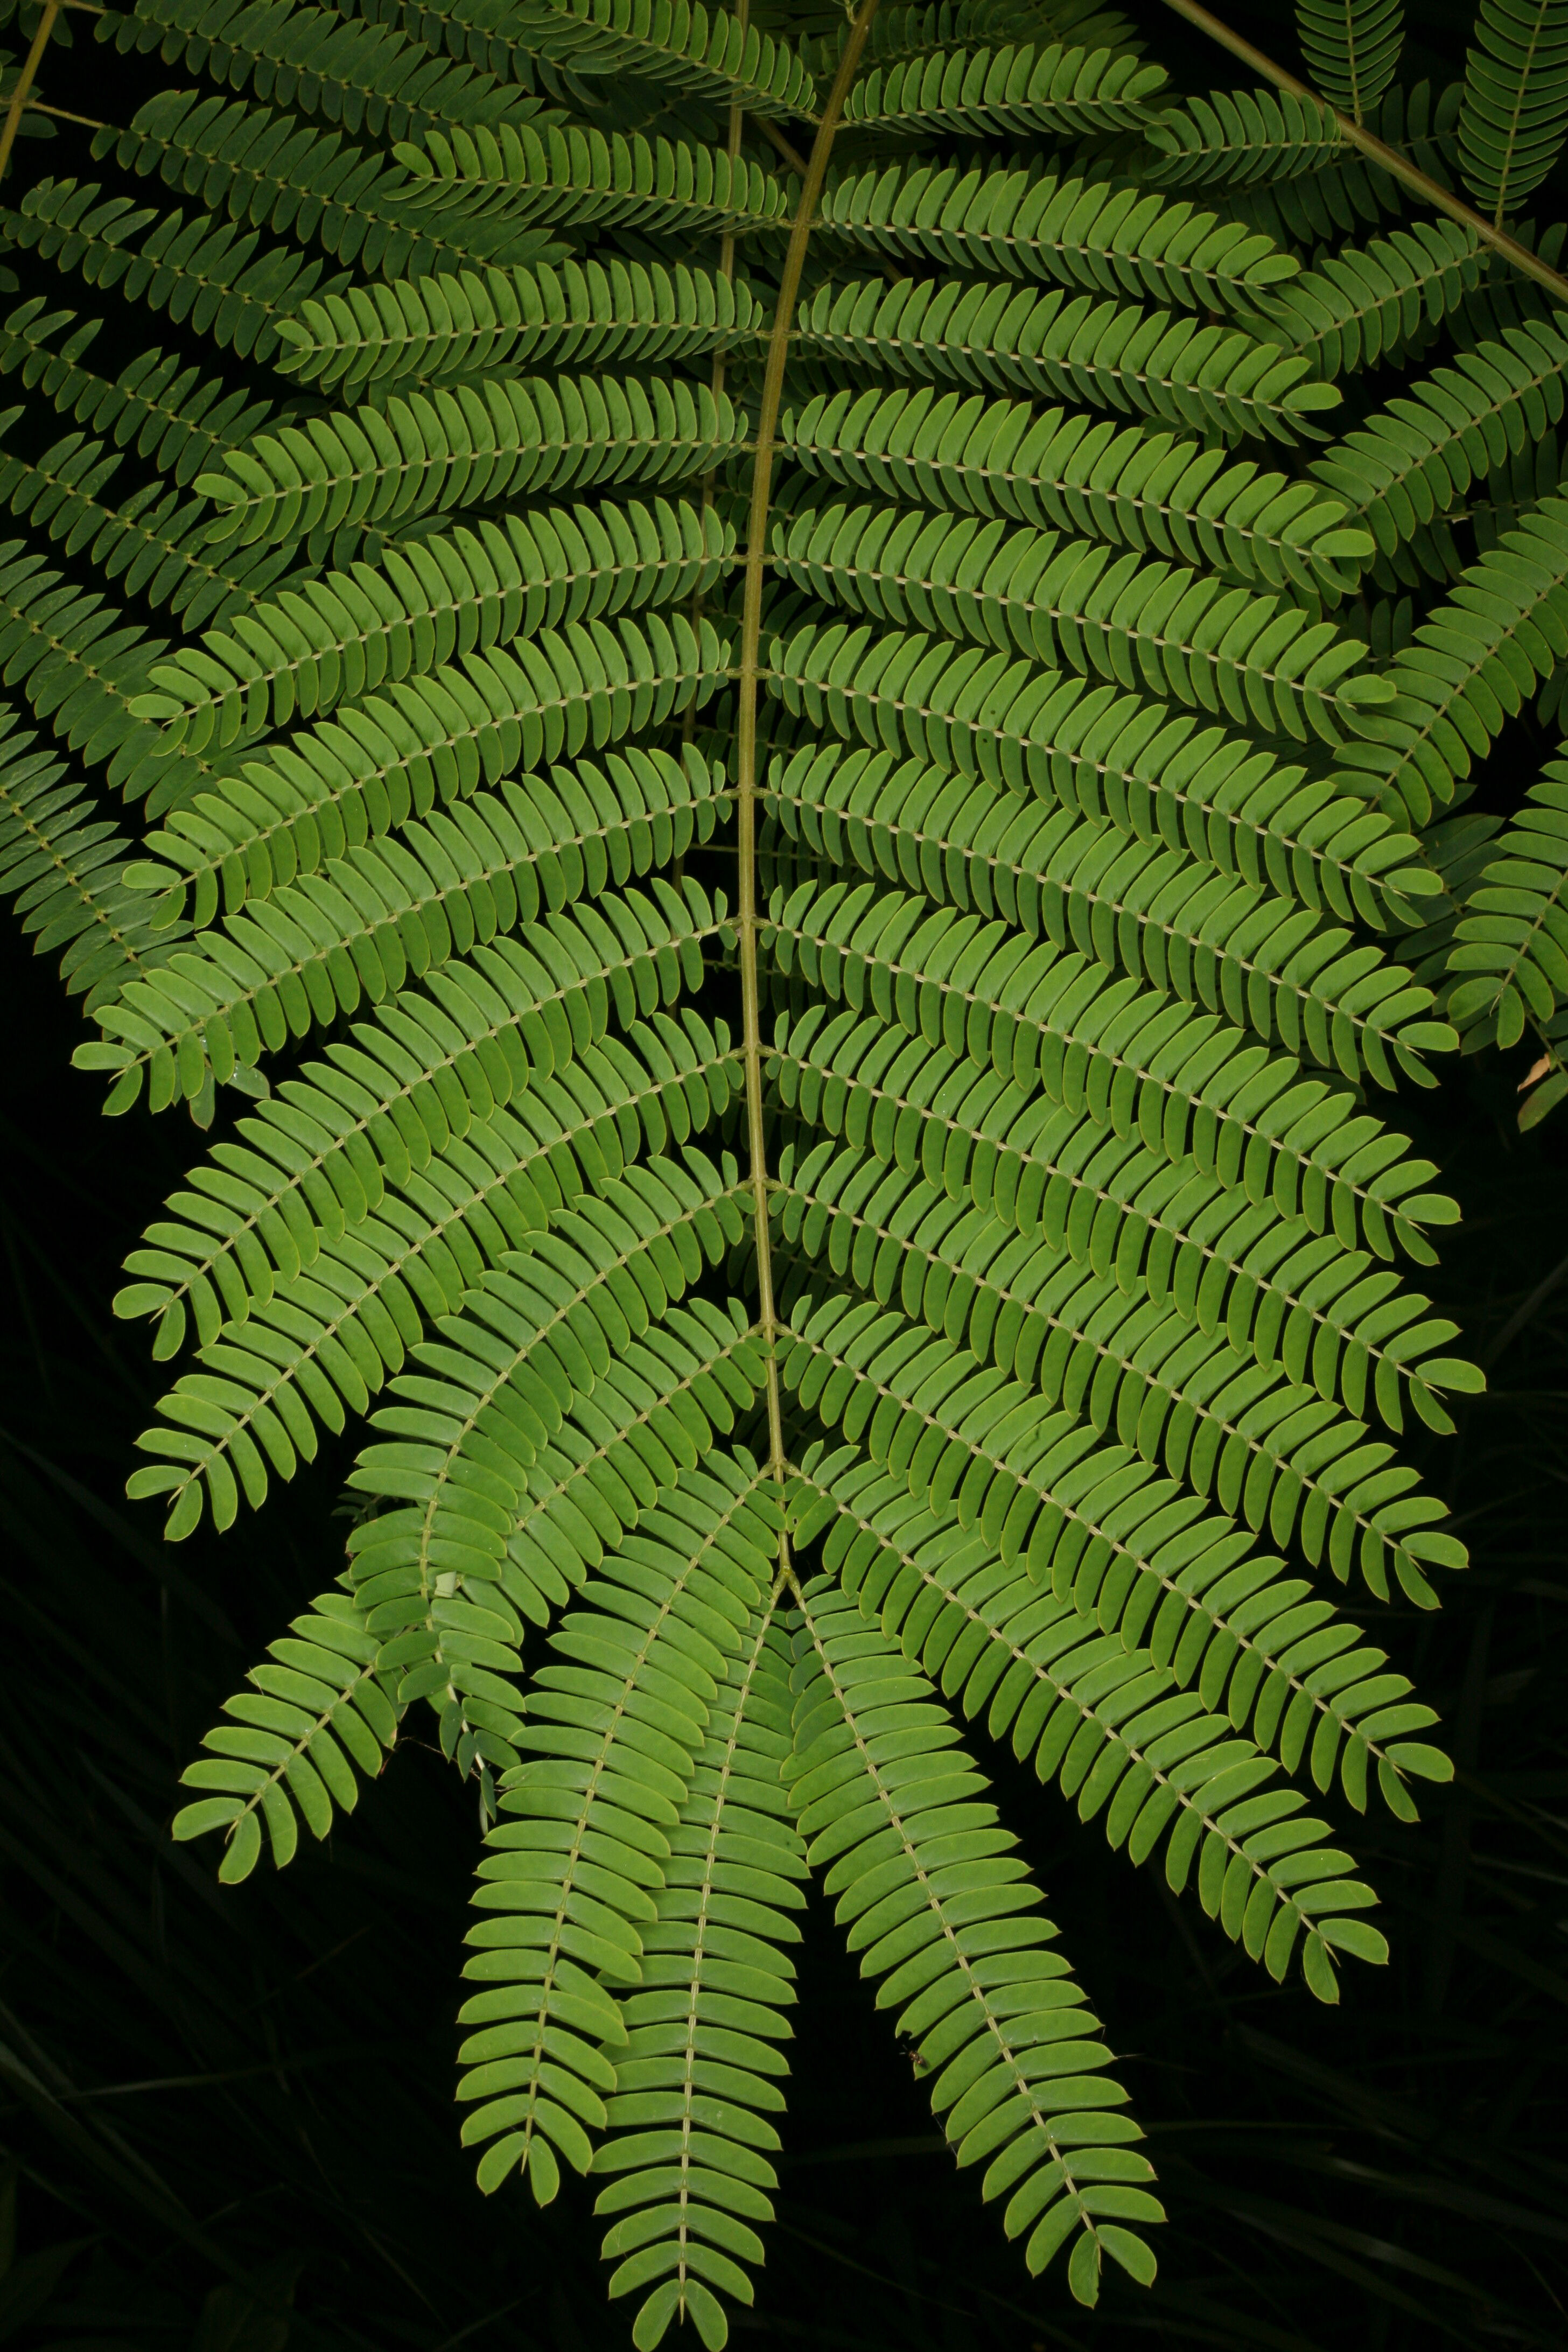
1346, 194
1508, 965
958, 838
698, 2075
799, 833
316, 946
1024, 224
448, 325
1132, 1558
1242, 136
1018, 87
941, 1913
613, 1734
317, 1708
654, 185
301, 182
1288, 1459
368, 77
63, 867
1148, 490
326, 1342
173, 419
79, 663
1213, 380
1103, 1720
1515, 109
1413, 462
701, 54
433, 451
1358, 309
200, 271
323, 1151
1171, 630
156, 547
1351, 49
1473, 663
342, 637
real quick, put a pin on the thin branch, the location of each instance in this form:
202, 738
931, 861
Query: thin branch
36, 106
777, 139
1388, 158
746, 700
24, 81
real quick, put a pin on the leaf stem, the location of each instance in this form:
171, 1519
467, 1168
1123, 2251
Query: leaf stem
783, 146
36, 106
746, 699
24, 81
1388, 158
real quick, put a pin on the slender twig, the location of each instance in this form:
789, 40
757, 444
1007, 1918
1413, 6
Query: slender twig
746, 700
24, 81
1388, 158
776, 140
36, 106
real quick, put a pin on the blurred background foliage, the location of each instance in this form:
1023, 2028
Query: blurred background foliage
226, 2116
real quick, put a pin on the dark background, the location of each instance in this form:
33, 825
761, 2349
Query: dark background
228, 2116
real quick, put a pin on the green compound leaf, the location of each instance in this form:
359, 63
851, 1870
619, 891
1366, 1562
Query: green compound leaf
1515, 108
1352, 47
1028, 224
1213, 380
1042, 631
468, 323
1015, 88
1134, 488
698, 2078
614, 1729
940, 1910
319, 1707
1101, 1719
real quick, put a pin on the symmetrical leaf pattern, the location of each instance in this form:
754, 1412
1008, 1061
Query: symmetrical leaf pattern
1516, 101
799, 709
1351, 49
